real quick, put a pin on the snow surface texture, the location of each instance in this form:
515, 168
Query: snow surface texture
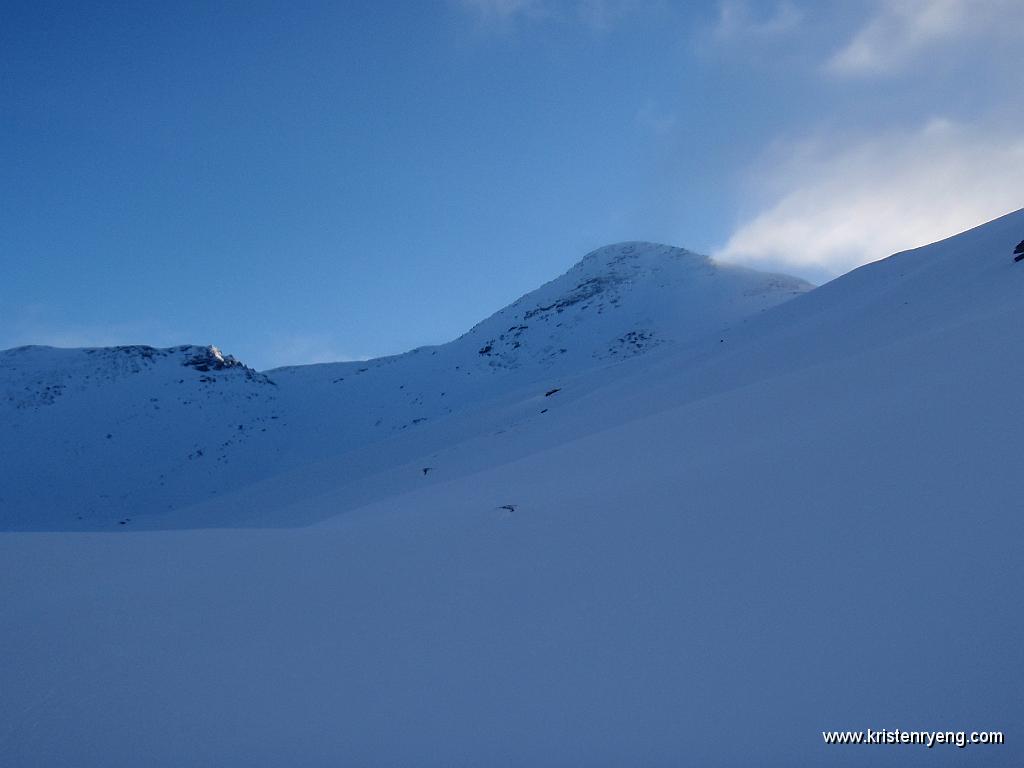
796, 520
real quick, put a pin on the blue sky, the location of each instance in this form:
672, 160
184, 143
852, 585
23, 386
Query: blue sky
300, 182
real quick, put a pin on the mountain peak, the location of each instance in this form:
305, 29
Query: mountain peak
638, 251
210, 359
623, 299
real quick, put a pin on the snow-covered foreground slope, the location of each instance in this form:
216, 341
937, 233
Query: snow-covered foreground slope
101, 438
810, 522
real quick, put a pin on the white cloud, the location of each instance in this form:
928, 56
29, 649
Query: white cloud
901, 30
736, 21
832, 208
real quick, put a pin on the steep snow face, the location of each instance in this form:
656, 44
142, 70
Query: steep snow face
107, 437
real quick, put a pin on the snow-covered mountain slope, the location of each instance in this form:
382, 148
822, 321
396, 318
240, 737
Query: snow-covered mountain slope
811, 522
89, 435
930, 293
101, 438
617, 303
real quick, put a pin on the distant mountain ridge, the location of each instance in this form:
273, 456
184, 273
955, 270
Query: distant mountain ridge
97, 433
36, 375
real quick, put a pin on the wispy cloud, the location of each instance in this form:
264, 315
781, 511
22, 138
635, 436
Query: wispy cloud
833, 207
596, 14
900, 31
301, 349
74, 337
46, 325
506, 10
656, 121
603, 14
736, 21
